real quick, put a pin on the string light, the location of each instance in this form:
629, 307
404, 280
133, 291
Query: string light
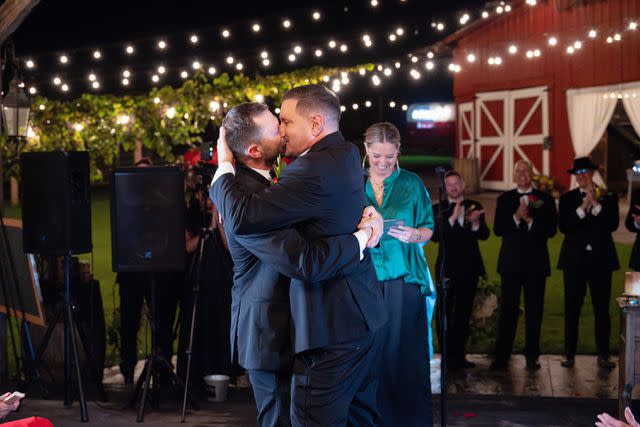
392, 104
92, 77
196, 65
529, 54
633, 26
184, 74
239, 66
430, 55
537, 53
193, 39
332, 44
125, 82
95, 85
298, 49
211, 70
415, 74
367, 104
531, 2
499, 10
593, 34
259, 98
32, 90
156, 100
485, 14
129, 50
64, 59
617, 37
429, 65
266, 62
387, 72
162, 44
65, 87
171, 112
41, 107
230, 60
392, 37
161, 69
343, 48
355, 106
126, 73
286, 24
570, 50
577, 44
609, 39
440, 27
374, 3
57, 81
264, 54
375, 80
315, 15
405, 107
318, 53
342, 107
256, 28
225, 33
214, 106
513, 49
292, 58
464, 19
399, 31
97, 54
30, 63
507, 8
471, 58
155, 78
552, 41
78, 127
397, 65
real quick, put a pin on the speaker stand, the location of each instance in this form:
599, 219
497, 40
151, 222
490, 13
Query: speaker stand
71, 356
155, 364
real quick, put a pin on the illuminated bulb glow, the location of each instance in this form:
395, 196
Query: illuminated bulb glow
193, 39
513, 49
97, 54
316, 15
593, 34
471, 58
552, 41
318, 53
211, 70
129, 50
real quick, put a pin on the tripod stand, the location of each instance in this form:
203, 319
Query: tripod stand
442, 290
154, 365
9, 280
203, 234
71, 355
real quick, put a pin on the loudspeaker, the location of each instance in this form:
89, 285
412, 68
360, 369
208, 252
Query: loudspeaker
147, 219
56, 204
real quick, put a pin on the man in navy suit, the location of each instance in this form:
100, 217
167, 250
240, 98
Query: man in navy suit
321, 194
261, 320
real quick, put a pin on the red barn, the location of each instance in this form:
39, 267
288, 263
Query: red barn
542, 82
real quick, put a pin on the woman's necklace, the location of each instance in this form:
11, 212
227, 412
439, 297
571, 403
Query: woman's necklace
378, 190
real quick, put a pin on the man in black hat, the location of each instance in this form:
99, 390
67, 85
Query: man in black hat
587, 217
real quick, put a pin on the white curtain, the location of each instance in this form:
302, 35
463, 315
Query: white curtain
631, 102
590, 112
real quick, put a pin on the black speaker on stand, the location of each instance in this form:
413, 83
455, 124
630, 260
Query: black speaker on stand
56, 220
147, 235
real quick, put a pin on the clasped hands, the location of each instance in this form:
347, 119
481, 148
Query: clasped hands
474, 215
522, 213
224, 152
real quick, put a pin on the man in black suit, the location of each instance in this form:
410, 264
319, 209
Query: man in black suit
260, 304
464, 224
632, 222
525, 219
321, 194
587, 217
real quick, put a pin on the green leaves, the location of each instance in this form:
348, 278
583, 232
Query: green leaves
162, 120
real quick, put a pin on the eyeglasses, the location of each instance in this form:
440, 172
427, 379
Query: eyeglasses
581, 171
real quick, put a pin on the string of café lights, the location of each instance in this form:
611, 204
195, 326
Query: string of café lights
381, 71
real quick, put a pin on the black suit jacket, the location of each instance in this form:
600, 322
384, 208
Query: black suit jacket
260, 314
634, 260
321, 194
594, 230
524, 250
462, 258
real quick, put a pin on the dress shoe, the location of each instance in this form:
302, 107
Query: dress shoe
498, 365
603, 362
568, 362
533, 365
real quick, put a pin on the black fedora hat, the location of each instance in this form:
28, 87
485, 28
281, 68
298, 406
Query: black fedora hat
582, 164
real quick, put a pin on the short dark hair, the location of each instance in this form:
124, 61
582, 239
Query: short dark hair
312, 98
453, 173
241, 130
144, 161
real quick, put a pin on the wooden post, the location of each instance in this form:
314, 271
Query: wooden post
15, 191
137, 151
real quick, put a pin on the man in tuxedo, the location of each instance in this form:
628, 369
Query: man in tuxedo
334, 320
464, 225
260, 304
587, 217
632, 222
525, 219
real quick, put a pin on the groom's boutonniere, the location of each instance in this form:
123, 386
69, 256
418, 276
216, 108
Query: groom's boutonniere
278, 167
534, 202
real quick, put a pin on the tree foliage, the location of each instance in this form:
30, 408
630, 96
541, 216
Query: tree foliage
163, 119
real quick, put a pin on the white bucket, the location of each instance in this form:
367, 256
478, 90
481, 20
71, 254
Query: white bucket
217, 386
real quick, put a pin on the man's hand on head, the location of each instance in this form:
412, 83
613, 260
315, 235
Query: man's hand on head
224, 152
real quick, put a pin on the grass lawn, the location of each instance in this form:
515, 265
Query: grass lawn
552, 335
552, 328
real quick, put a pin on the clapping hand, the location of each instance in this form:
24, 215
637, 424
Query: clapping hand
588, 199
456, 212
522, 211
474, 216
606, 420
224, 152
6, 408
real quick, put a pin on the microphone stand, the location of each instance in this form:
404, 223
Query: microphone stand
442, 288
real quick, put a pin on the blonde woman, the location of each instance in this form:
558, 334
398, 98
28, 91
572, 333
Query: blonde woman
404, 389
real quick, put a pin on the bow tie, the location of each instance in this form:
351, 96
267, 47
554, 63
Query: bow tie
528, 193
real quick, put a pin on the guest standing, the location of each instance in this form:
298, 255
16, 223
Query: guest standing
632, 223
587, 217
464, 225
404, 388
525, 219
